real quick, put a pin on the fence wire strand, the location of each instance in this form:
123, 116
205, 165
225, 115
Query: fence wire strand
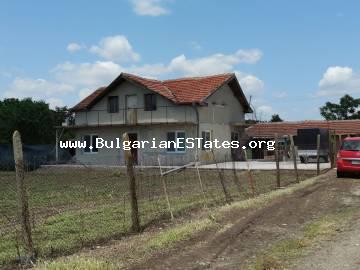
76, 206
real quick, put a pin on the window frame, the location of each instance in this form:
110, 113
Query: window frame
176, 150
94, 150
116, 104
203, 141
153, 105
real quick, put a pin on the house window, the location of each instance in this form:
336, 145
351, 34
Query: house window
206, 137
113, 104
150, 102
172, 138
90, 144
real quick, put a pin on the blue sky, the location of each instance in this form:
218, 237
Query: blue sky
291, 57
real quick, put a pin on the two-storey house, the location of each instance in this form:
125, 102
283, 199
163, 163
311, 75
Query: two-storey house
199, 107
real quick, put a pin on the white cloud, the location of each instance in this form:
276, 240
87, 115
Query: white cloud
83, 78
216, 63
250, 84
334, 75
149, 7
264, 112
212, 64
54, 102
338, 81
39, 89
90, 75
115, 48
74, 47
265, 109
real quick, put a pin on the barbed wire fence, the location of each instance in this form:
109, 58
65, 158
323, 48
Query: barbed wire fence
76, 206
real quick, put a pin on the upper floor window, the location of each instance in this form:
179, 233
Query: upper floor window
150, 102
113, 104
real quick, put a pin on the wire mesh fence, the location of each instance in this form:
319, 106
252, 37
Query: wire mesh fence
76, 206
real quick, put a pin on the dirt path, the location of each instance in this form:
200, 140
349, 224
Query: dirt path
243, 235
341, 253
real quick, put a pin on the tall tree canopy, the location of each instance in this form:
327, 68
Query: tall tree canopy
348, 108
276, 118
34, 119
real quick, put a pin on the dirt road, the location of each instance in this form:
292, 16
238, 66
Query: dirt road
314, 228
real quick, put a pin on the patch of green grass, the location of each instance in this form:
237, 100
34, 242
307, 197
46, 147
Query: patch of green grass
76, 263
327, 225
171, 236
281, 253
73, 207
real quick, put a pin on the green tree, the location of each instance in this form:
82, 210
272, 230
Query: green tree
348, 108
34, 119
276, 118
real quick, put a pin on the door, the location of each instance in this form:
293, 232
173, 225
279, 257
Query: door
131, 109
134, 151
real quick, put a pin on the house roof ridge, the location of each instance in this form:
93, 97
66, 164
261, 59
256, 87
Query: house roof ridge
129, 75
199, 77
184, 90
141, 77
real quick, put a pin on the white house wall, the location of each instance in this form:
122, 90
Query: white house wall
166, 110
146, 156
218, 117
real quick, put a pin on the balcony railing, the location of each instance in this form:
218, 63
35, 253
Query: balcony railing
133, 116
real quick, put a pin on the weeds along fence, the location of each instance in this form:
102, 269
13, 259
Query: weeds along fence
71, 207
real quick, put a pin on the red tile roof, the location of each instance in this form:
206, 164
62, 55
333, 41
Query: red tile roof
268, 130
89, 99
179, 91
196, 89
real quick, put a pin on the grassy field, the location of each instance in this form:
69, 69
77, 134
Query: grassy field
76, 207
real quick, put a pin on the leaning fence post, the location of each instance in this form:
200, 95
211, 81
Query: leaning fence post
277, 159
228, 198
165, 190
23, 196
318, 154
235, 177
199, 177
294, 157
132, 187
251, 181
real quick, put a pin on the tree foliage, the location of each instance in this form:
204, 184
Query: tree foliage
276, 118
348, 108
34, 119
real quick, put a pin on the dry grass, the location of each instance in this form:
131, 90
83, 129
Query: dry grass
74, 208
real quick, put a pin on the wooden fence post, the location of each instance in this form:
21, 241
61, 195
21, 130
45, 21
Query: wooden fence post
23, 196
132, 187
165, 190
228, 198
277, 159
235, 176
335, 149
294, 158
199, 177
332, 149
318, 154
251, 181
